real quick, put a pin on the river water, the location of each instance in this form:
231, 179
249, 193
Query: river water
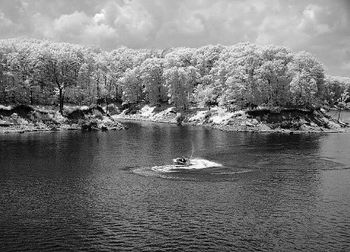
117, 191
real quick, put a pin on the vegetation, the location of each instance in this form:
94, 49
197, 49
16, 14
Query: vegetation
238, 76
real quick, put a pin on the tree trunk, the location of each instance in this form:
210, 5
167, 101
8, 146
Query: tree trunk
61, 101
31, 97
98, 90
159, 94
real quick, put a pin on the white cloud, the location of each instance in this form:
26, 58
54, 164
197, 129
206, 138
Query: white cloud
78, 28
100, 17
310, 22
5, 23
71, 24
134, 22
193, 24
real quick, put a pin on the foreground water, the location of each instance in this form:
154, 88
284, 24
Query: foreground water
117, 191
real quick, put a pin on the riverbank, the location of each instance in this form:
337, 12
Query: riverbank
284, 120
24, 118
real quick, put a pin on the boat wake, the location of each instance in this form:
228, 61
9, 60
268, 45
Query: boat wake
195, 164
165, 171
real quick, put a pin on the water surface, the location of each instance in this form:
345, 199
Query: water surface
73, 191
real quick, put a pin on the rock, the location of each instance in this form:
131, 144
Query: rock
5, 123
89, 125
22, 121
227, 122
86, 126
14, 116
107, 120
73, 126
58, 118
76, 115
120, 126
23, 110
2, 107
303, 121
46, 116
200, 117
112, 109
238, 113
36, 116
333, 125
249, 124
264, 127
54, 128
41, 126
172, 110
254, 121
104, 127
179, 119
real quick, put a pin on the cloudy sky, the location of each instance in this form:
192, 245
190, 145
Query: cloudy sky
321, 27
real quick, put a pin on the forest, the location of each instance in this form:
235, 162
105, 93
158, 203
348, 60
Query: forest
39, 72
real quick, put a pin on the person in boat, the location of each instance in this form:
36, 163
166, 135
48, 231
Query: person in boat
182, 161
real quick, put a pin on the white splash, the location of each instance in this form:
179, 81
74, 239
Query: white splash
196, 164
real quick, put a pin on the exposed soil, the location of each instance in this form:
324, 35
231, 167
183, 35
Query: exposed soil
288, 120
24, 118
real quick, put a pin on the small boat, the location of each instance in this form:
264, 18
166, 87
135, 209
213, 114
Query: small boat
182, 161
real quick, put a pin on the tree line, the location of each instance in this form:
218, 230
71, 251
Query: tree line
237, 76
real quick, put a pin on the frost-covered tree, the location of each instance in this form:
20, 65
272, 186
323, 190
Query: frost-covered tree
180, 57
23, 62
151, 71
237, 68
307, 79
204, 58
335, 86
61, 64
180, 82
273, 75
240, 75
131, 85
206, 95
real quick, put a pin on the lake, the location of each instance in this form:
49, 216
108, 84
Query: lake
117, 191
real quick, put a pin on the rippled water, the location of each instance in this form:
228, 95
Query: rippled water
118, 191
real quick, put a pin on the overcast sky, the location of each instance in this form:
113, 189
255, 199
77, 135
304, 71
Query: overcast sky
321, 27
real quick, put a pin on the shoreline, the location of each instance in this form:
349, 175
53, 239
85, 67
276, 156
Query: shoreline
94, 118
230, 129
24, 118
16, 130
244, 125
